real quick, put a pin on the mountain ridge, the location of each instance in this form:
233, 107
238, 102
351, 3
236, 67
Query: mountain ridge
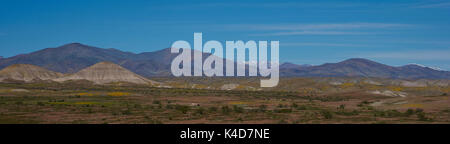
359, 67
73, 57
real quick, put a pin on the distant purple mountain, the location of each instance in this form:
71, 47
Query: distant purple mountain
71, 58
357, 67
288, 65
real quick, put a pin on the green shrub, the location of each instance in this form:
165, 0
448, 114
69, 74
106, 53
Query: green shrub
394, 113
366, 102
446, 110
326, 114
183, 109
40, 104
262, 108
344, 113
280, 106
294, 105
226, 110
342, 106
126, 112
156, 102
19, 102
200, 111
238, 109
89, 110
306, 107
363, 103
282, 122
419, 110
283, 110
409, 112
302, 107
169, 106
212, 109
423, 117
388, 113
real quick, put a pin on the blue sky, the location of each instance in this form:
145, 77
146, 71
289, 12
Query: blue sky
394, 32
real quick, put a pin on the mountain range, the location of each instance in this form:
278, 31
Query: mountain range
74, 57
100, 73
358, 67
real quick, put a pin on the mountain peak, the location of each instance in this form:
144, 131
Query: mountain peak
357, 60
106, 72
361, 62
288, 65
74, 45
414, 65
106, 63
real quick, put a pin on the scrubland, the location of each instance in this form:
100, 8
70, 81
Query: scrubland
186, 101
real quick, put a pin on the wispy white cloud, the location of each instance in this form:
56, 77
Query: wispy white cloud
318, 29
331, 26
269, 5
323, 44
310, 33
433, 5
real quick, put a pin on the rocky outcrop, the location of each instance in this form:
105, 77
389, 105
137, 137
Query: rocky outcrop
106, 72
27, 73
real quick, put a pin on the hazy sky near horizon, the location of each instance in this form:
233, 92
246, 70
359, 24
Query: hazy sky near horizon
394, 32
